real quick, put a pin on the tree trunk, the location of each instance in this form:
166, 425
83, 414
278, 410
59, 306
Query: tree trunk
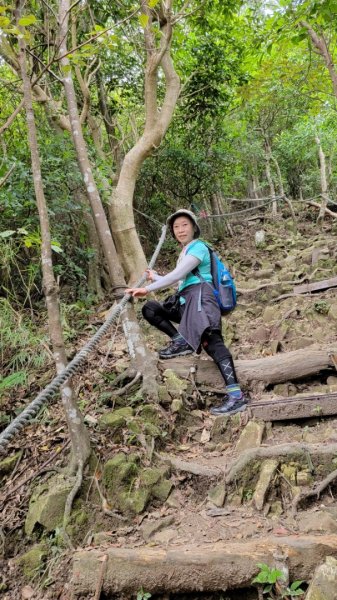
156, 124
94, 264
78, 434
324, 183
282, 192
270, 370
322, 48
101, 222
140, 354
269, 177
178, 569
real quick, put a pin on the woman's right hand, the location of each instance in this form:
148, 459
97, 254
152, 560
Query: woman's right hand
150, 276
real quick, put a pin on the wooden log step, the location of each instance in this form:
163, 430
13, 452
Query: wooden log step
287, 366
208, 567
316, 286
295, 407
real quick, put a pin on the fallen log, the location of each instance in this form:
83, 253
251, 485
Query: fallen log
295, 407
315, 287
279, 368
182, 569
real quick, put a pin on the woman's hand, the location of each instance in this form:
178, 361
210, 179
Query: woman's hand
150, 276
137, 292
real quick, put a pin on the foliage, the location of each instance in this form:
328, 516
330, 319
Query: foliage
141, 595
270, 577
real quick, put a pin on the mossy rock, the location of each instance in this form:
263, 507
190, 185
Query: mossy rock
76, 527
149, 413
149, 477
163, 394
134, 502
162, 490
32, 561
152, 430
175, 385
116, 419
46, 506
7, 465
119, 470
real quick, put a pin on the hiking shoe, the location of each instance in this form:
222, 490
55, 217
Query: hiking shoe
176, 348
230, 406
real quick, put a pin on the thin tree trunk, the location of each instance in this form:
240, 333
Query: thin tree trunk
322, 48
78, 434
156, 124
101, 222
282, 192
324, 183
94, 265
269, 177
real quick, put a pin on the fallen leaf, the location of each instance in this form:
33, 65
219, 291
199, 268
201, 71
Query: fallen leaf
27, 592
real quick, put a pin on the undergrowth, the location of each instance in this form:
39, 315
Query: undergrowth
23, 344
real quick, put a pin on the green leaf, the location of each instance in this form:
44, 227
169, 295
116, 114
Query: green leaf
28, 20
296, 584
143, 20
4, 21
6, 234
153, 3
56, 247
13, 380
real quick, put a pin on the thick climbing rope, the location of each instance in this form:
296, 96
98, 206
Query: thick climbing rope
48, 392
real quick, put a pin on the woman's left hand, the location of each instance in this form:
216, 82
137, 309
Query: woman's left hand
137, 292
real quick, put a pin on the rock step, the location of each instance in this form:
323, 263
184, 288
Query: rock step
196, 567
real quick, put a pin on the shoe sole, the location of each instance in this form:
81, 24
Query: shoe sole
175, 355
230, 412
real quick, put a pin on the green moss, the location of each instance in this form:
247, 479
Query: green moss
134, 501
150, 429
7, 465
31, 562
47, 504
116, 419
149, 413
161, 490
150, 477
175, 385
117, 470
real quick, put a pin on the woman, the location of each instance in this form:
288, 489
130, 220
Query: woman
194, 308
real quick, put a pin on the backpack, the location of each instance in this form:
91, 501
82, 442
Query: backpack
224, 286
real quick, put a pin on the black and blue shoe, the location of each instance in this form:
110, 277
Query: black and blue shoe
230, 406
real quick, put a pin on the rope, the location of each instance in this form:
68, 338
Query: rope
244, 210
50, 390
148, 217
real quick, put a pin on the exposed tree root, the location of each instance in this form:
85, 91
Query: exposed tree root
190, 467
70, 500
142, 359
316, 490
283, 450
129, 385
127, 374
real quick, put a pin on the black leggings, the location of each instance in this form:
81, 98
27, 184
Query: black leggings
211, 341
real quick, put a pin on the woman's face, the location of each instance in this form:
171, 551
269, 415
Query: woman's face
183, 230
